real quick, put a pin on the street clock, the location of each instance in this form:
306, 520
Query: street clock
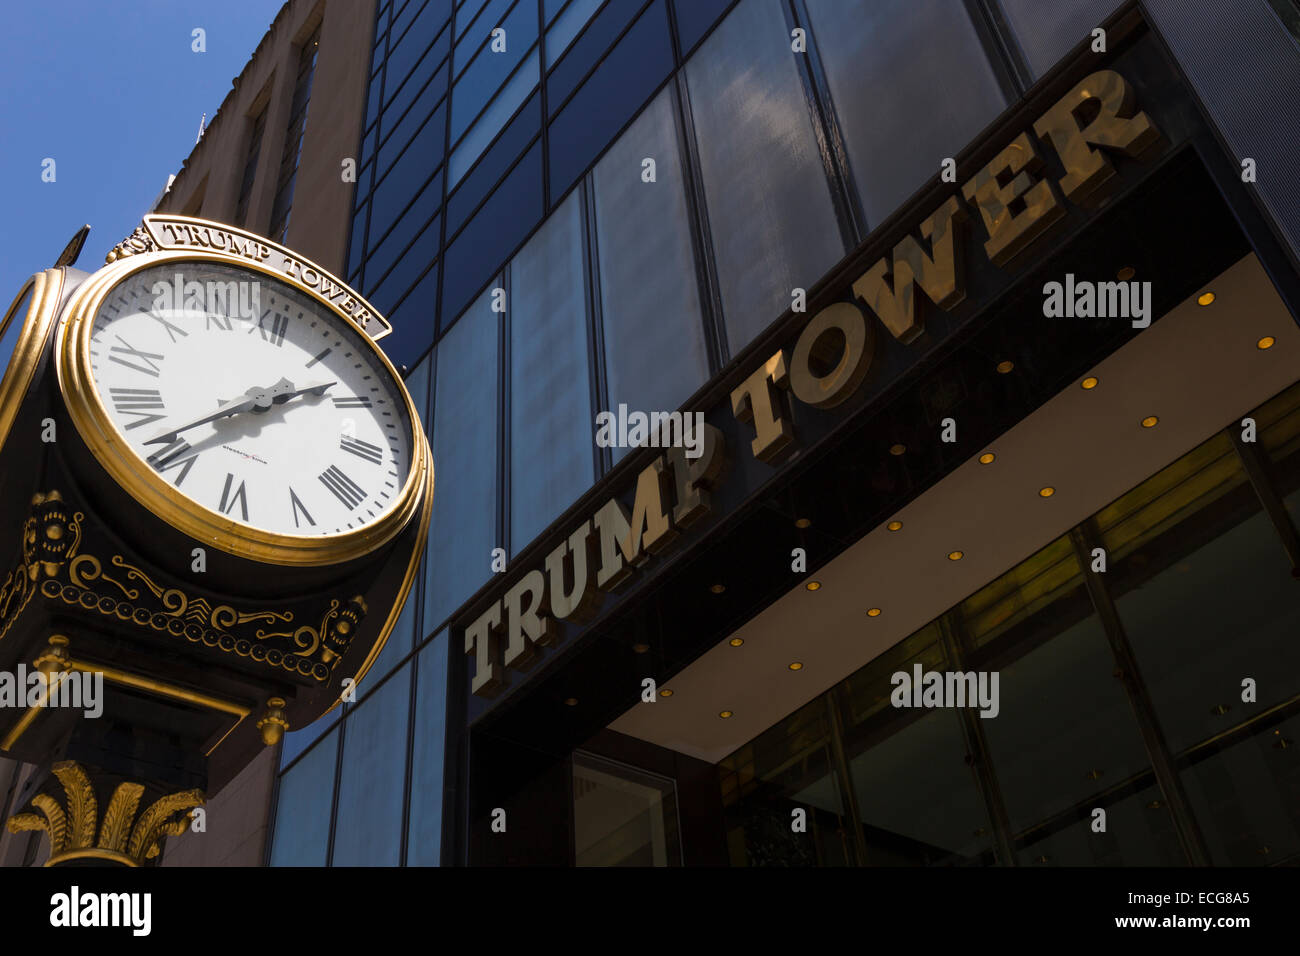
216, 490
241, 408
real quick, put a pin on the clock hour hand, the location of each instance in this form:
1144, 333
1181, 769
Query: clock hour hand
255, 400
280, 397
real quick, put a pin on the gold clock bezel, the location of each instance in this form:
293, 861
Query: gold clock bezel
46, 288
130, 471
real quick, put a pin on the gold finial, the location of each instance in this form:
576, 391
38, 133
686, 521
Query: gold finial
54, 658
138, 241
273, 723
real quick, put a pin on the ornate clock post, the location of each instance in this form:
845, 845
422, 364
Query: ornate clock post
214, 492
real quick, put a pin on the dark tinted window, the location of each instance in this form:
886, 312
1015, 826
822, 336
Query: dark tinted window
494, 163
424, 841
425, 148
405, 178
469, 40
623, 82
414, 320
586, 50
432, 70
694, 17
408, 268
489, 237
357, 243
489, 70
384, 253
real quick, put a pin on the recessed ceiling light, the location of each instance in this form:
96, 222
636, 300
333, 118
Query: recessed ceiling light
666, 692
1266, 342
572, 702
718, 588
724, 714
897, 450
894, 525
1046, 492
987, 458
640, 648
1005, 366
873, 612
1089, 382
736, 641
1150, 421
955, 555
813, 585
802, 523
795, 665
1205, 298
1126, 273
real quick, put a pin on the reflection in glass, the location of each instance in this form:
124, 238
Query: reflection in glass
424, 841
611, 96
489, 68
769, 203
551, 422
787, 768
297, 741
1204, 593
622, 817
1246, 791
906, 104
302, 816
1047, 31
369, 826
493, 119
463, 530
654, 336
396, 647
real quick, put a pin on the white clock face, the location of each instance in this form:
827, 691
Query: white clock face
251, 399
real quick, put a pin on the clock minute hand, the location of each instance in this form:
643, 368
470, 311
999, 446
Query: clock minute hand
255, 400
226, 410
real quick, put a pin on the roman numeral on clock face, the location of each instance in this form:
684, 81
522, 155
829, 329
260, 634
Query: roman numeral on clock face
139, 402
275, 333
148, 358
343, 488
229, 499
297, 507
173, 456
168, 326
362, 449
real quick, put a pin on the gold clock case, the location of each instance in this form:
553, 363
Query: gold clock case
131, 472
45, 288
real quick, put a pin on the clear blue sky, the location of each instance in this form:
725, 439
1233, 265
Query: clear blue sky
112, 91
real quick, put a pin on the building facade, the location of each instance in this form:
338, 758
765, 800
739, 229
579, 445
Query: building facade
976, 543
644, 655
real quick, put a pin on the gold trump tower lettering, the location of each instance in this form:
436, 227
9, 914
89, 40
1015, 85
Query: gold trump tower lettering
1016, 205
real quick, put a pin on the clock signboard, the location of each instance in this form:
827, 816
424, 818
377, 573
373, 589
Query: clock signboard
217, 491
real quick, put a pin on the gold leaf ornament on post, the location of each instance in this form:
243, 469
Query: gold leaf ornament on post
71, 827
